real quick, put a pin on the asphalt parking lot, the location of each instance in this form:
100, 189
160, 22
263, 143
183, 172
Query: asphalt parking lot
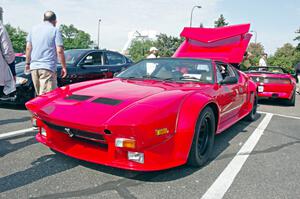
251, 160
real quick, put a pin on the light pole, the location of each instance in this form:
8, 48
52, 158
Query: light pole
255, 35
191, 19
99, 34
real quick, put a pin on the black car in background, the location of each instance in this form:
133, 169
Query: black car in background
82, 65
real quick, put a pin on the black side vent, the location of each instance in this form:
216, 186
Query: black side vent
78, 97
108, 101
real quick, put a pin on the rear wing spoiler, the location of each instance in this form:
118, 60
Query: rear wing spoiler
226, 44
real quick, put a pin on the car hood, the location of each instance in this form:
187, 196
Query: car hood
99, 102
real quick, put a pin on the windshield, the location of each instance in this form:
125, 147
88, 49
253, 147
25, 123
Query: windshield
171, 69
265, 69
72, 56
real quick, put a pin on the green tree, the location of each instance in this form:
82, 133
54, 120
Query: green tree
75, 38
17, 37
286, 56
139, 49
167, 45
298, 39
255, 50
221, 21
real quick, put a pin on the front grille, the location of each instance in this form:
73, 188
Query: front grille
271, 80
93, 138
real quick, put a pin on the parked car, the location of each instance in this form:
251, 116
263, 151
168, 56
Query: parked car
143, 120
19, 57
157, 114
274, 82
82, 65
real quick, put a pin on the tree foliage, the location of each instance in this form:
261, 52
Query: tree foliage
286, 56
298, 39
17, 37
167, 45
255, 50
221, 21
75, 38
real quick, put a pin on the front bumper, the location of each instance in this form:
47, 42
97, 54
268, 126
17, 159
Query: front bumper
159, 157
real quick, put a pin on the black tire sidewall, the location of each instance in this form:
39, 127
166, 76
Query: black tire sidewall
194, 158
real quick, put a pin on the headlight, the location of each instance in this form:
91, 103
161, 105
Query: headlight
21, 80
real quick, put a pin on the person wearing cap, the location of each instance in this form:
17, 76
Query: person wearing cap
44, 45
153, 53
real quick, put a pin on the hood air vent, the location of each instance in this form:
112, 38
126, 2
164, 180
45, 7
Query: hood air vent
78, 97
108, 101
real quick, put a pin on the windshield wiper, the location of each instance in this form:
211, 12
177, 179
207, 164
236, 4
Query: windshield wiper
151, 77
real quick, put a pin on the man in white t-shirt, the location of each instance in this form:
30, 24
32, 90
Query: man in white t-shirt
263, 60
153, 53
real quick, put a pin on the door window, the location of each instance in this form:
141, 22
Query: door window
115, 58
93, 59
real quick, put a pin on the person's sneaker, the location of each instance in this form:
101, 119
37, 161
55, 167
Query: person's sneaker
9, 97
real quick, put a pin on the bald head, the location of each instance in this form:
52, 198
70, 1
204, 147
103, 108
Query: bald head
50, 16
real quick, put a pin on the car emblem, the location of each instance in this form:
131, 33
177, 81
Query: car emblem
69, 132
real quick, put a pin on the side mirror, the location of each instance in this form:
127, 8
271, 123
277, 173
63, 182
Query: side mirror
229, 80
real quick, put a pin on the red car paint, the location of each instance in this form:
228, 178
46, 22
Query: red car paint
227, 44
273, 85
145, 106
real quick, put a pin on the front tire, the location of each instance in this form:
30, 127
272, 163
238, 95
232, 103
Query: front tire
203, 140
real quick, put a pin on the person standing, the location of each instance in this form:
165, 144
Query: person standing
7, 65
297, 71
44, 45
153, 53
263, 60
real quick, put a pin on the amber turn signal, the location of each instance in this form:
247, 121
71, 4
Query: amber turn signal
162, 131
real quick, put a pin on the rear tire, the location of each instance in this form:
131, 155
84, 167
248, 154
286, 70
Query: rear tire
292, 101
252, 115
203, 140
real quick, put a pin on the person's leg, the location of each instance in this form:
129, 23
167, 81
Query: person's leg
36, 81
1, 91
47, 81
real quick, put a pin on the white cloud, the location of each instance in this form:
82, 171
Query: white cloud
118, 16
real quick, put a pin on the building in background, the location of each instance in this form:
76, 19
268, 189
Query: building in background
139, 35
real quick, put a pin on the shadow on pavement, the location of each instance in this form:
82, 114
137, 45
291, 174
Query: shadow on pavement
12, 106
16, 120
273, 102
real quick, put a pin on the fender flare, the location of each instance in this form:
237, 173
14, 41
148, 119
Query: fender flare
187, 118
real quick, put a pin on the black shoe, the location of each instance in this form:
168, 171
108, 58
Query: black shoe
9, 97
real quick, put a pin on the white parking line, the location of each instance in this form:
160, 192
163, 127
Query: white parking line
14, 133
226, 178
287, 116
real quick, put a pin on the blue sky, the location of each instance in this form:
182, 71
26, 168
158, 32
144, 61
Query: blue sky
274, 21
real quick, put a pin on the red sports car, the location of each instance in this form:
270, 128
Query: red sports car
274, 82
157, 114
